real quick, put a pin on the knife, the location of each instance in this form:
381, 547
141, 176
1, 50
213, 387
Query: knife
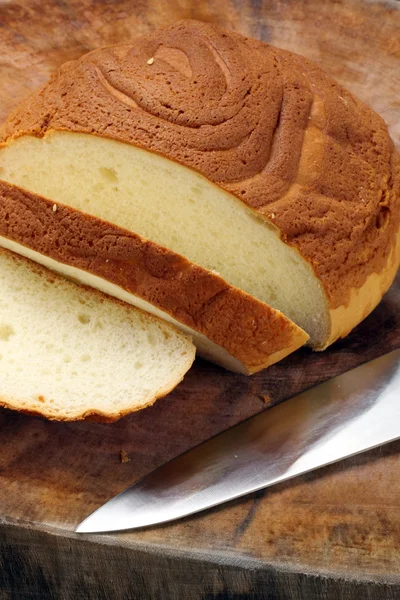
344, 416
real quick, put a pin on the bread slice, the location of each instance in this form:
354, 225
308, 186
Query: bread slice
243, 158
68, 352
228, 326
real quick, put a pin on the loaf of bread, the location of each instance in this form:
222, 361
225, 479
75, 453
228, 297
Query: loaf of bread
69, 352
242, 158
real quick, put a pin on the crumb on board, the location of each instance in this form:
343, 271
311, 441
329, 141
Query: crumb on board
265, 398
123, 456
150, 61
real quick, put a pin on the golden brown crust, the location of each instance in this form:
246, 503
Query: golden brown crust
91, 415
363, 300
96, 416
252, 332
262, 123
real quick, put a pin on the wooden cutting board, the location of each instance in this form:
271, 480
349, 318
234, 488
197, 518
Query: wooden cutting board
334, 534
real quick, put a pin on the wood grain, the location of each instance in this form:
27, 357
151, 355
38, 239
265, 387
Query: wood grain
331, 535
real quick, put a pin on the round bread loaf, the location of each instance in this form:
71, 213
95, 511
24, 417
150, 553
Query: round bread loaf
281, 150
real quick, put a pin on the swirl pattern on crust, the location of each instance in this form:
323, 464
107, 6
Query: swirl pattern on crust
264, 124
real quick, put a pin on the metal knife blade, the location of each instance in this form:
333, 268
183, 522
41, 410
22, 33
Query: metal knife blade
349, 414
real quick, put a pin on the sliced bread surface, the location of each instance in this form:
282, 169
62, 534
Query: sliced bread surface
69, 352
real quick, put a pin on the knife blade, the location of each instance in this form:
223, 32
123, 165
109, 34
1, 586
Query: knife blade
344, 416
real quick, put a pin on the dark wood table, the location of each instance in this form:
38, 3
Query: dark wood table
330, 535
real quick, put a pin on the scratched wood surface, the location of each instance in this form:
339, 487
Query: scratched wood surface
331, 535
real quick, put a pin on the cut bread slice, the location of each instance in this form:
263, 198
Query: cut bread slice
228, 326
68, 352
